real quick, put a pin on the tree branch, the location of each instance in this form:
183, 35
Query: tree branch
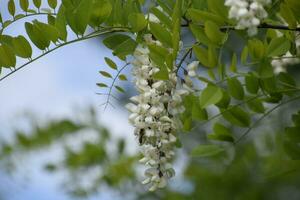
89, 36
261, 26
264, 116
23, 17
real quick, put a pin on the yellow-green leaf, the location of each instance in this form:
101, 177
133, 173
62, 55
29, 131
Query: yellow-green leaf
122, 77
105, 74
11, 7
110, 63
137, 21
22, 47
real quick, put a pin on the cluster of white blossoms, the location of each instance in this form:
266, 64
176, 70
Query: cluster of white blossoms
248, 13
154, 114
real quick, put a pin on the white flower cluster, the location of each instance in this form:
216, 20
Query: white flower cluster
248, 13
153, 114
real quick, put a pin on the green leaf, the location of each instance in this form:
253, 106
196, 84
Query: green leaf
256, 49
61, 23
7, 56
202, 55
235, 88
120, 89
162, 34
237, 116
49, 32
252, 83
101, 85
244, 55
11, 7
100, 12
287, 82
37, 3
105, 74
197, 112
113, 41
125, 48
221, 133
278, 46
137, 21
166, 8
199, 34
187, 124
162, 17
78, 18
265, 69
213, 32
203, 16
22, 47
111, 63
122, 77
206, 150
233, 66
269, 85
24, 5
225, 101
212, 56
287, 15
210, 95
51, 20
52, 3
159, 56
256, 105
36, 36
218, 8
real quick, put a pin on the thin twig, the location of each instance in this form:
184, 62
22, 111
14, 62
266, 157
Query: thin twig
25, 16
89, 36
262, 117
183, 58
112, 84
262, 26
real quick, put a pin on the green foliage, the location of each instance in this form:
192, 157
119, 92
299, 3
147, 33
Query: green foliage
292, 138
278, 46
100, 13
37, 3
7, 56
213, 33
236, 70
210, 95
78, 15
162, 34
237, 116
21, 47
137, 21
122, 45
24, 4
206, 150
235, 88
11, 7
221, 133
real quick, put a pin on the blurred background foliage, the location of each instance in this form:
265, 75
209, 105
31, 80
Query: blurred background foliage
257, 168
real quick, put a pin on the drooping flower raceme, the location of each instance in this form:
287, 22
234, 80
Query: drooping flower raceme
154, 115
248, 13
